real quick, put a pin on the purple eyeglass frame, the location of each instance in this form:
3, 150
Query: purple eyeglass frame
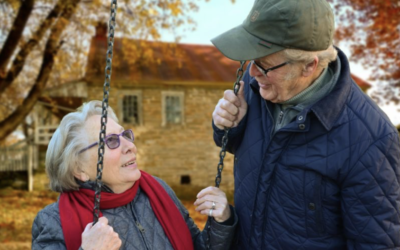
105, 140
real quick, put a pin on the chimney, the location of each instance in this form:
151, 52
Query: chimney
101, 30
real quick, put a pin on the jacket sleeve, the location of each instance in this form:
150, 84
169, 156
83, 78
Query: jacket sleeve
46, 231
235, 134
221, 235
371, 197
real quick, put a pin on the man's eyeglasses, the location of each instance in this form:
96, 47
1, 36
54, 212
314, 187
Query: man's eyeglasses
113, 141
265, 71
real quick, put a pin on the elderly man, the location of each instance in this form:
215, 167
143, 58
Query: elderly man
317, 163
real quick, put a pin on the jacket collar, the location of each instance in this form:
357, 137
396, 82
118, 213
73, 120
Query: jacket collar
92, 186
328, 109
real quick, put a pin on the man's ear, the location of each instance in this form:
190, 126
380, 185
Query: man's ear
311, 67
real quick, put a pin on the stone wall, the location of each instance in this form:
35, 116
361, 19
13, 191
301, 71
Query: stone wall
173, 152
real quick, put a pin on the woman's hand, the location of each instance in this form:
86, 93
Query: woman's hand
100, 236
210, 196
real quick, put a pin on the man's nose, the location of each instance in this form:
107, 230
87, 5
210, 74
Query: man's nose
254, 71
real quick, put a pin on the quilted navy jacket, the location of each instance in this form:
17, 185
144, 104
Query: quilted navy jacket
330, 179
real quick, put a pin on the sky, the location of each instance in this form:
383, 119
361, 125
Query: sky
217, 16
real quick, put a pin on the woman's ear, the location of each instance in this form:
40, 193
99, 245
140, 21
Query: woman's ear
81, 175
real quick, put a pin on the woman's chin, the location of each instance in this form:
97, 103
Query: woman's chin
128, 177
125, 182
133, 175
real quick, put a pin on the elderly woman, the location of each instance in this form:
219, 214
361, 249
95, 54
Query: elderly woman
138, 211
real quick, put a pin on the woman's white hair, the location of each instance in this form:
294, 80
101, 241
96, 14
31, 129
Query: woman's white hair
62, 157
324, 56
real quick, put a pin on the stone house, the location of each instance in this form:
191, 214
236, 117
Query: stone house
167, 103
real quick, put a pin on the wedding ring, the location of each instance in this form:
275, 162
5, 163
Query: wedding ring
213, 205
210, 213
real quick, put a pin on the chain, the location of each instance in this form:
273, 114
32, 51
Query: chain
222, 153
106, 91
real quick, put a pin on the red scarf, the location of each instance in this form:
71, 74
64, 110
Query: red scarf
76, 211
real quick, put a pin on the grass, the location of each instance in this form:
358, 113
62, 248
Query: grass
19, 208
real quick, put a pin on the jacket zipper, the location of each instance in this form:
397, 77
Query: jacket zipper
259, 175
272, 117
280, 117
262, 163
139, 226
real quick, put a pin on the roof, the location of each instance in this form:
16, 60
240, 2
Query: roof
360, 82
163, 62
170, 62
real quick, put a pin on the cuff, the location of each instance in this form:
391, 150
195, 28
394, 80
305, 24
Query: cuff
231, 220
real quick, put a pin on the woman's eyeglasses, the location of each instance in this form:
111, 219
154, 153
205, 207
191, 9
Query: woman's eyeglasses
265, 71
113, 141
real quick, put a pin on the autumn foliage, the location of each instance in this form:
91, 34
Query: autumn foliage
45, 42
372, 27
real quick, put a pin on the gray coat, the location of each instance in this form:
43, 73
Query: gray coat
136, 225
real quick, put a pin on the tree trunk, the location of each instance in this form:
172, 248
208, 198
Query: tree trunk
15, 35
26, 48
9, 124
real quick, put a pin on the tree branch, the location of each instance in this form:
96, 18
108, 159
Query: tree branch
15, 35
19, 60
52, 46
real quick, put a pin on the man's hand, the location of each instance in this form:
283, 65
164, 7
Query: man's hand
230, 109
101, 236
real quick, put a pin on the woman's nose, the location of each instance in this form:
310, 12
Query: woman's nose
128, 146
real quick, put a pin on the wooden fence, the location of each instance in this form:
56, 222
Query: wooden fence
44, 133
21, 156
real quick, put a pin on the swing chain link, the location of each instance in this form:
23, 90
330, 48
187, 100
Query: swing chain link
222, 153
106, 91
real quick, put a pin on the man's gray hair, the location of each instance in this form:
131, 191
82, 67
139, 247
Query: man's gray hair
324, 56
62, 157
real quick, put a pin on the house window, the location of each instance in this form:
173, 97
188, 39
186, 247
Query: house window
130, 107
173, 109
185, 179
172, 106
